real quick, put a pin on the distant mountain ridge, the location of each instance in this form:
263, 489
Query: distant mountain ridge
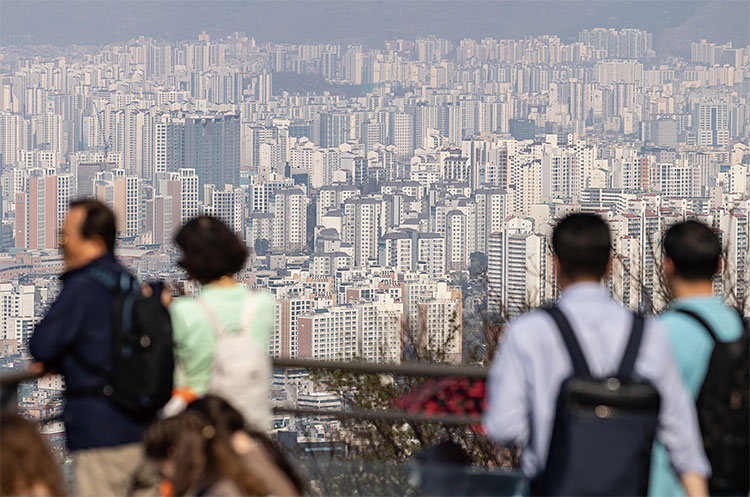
674, 23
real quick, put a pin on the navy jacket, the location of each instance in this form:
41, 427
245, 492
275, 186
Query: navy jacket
75, 338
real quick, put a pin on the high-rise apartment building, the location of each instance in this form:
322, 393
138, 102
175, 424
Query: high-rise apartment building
380, 327
14, 133
169, 144
623, 44
431, 254
399, 251
188, 194
227, 204
433, 315
490, 214
41, 209
734, 233
402, 132
212, 148
160, 221
518, 269
330, 333
372, 133
361, 173
17, 313
333, 129
712, 122
289, 307
460, 236
332, 198
122, 194
363, 228
252, 137
290, 220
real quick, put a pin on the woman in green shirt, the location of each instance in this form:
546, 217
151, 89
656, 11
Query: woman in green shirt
212, 255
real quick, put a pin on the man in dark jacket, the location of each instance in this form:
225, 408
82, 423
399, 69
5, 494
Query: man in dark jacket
75, 339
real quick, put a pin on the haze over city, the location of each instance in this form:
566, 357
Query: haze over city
673, 22
395, 170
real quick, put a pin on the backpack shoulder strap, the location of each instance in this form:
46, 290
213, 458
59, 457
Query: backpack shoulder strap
627, 366
106, 278
580, 366
215, 325
248, 311
699, 319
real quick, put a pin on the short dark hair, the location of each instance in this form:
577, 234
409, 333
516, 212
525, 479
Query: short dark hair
582, 244
694, 249
100, 221
210, 249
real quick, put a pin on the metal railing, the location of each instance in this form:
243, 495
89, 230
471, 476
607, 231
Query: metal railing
9, 385
330, 475
404, 369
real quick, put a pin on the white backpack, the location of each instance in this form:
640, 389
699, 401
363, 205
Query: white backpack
241, 371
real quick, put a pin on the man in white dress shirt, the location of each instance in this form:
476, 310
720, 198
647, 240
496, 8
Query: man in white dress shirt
532, 360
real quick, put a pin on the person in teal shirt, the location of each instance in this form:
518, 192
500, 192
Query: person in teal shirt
212, 255
692, 252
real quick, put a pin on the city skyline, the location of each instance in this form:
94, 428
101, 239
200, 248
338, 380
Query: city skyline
397, 196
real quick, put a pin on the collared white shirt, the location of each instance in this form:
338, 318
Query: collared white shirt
532, 362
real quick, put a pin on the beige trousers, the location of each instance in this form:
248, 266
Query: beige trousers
114, 471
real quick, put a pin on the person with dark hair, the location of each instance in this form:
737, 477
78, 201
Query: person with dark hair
75, 338
581, 246
691, 257
535, 360
261, 456
210, 251
198, 459
27, 466
212, 255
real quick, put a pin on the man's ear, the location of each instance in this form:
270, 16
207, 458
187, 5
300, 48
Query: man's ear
667, 265
100, 242
608, 269
557, 268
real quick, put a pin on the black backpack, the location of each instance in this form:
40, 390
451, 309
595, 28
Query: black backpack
141, 380
724, 411
604, 427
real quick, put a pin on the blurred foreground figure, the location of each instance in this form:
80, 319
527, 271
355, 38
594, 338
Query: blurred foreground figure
258, 452
710, 345
113, 387
221, 337
585, 386
27, 467
191, 453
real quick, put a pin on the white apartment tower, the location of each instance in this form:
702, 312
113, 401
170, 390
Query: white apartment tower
290, 220
17, 317
517, 266
188, 194
227, 204
380, 329
363, 228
